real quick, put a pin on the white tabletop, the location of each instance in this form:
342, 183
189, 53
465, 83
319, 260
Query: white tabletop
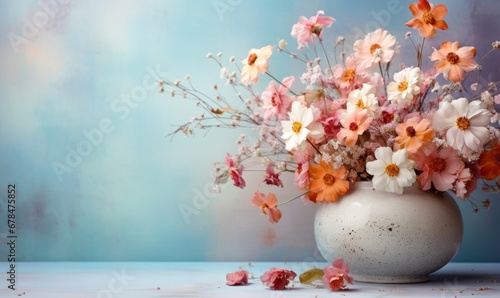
207, 279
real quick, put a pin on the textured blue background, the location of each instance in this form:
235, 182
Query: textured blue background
76, 72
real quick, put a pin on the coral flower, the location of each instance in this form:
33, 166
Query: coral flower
413, 133
277, 278
440, 167
391, 170
239, 277
306, 29
489, 163
267, 205
301, 124
236, 172
328, 183
276, 100
354, 124
337, 275
453, 61
465, 124
350, 76
377, 46
255, 62
427, 18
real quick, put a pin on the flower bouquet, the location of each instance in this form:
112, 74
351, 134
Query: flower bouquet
356, 115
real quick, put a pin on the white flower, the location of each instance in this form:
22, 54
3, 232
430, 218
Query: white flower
391, 171
300, 126
407, 84
364, 98
464, 123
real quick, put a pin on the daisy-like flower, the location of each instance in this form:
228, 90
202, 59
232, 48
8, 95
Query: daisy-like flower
391, 170
453, 61
301, 125
306, 29
255, 63
427, 18
349, 76
354, 124
465, 124
406, 85
328, 183
268, 205
337, 275
276, 100
364, 99
489, 163
413, 133
377, 46
439, 166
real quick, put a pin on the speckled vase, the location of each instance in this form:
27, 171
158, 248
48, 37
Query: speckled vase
387, 237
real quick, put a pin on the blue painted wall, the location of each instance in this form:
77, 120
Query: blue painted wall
82, 126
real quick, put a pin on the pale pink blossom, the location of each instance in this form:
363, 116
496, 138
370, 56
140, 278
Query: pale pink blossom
465, 180
377, 46
272, 178
439, 166
276, 101
255, 63
301, 176
307, 29
277, 278
349, 76
337, 275
239, 277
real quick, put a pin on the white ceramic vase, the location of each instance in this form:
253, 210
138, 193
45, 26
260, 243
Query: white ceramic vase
389, 238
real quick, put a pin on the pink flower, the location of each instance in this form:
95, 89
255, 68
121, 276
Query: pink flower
276, 101
305, 29
255, 62
272, 178
350, 76
337, 275
354, 124
378, 46
267, 206
239, 277
465, 183
440, 167
235, 172
301, 176
277, 279
453, 60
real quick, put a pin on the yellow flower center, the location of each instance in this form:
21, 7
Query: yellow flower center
349, 75
428, 18
410, 131
296, 126
251, 59
452, 58
328, 179
360, 104
392, 170
263, 208
316, 29
402, 86
462, 123
438, 164
374, 47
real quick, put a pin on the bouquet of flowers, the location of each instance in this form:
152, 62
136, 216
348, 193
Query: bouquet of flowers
355, 115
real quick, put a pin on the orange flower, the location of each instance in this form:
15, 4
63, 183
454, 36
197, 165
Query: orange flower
328, 183
489, 163
267, 205
453, 60
427, 18
412, 134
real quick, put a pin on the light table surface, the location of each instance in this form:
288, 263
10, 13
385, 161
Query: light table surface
207, 279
